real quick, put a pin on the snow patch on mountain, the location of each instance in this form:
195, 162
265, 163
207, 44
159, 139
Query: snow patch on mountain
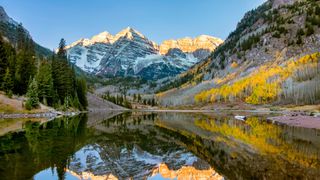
130, 53
87, 156
146, 157
88, 59
143, 62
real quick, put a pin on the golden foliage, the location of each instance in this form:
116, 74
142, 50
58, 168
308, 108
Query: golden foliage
234, 65
261, 136
258, 135
260, 87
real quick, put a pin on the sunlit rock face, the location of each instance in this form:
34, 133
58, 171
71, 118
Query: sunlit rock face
189, 45
277, 3
130, 53
162, 170
112, 162
186, 172
91, 176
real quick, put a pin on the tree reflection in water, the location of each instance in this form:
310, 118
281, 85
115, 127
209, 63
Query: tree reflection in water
136, 145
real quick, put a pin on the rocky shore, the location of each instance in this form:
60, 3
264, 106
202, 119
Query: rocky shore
37, 115
298, 120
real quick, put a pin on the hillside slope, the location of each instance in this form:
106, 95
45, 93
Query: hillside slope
275, 44
9, 29
96, 103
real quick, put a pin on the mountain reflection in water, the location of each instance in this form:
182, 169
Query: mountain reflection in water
159, 146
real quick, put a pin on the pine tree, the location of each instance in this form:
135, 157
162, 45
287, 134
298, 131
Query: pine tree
309, 30
25, 64
62, 51
32, 95
3, 60
21, 37
7, 84
134, 97
153, 102
67, 102
25, 70
81, 93
63, 75
76, 102
45, 83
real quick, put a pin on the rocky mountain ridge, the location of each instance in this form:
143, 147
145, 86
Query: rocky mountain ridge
269, 36
201, 45
130, 53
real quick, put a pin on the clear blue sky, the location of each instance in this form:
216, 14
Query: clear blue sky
50, 20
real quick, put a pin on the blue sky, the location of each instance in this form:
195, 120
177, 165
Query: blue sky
50, 20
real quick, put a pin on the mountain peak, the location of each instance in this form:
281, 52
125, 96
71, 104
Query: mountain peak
190, 45
205, 37
130, 33
3, 14
5, 18
103, 37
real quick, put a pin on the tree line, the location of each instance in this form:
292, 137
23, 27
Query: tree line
49, 80
150, 102
120, 100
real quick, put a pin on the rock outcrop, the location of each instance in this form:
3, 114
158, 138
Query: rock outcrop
189, 45
186, 172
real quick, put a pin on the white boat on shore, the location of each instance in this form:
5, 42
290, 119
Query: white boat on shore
242, 118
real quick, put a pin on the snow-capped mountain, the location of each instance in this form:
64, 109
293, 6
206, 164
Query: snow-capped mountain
96, 160
130, 53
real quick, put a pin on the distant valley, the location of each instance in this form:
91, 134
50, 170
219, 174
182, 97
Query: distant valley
272, 57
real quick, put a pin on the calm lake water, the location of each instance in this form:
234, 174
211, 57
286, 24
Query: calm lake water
136, 145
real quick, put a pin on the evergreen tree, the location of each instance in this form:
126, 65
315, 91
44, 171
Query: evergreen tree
45, 83
25, 70
3, 59
67, 102
63, 75
25, 66
62, 51
153, 102
7, 84
21, 37
32, 95
309, 30
81, 93
76, 102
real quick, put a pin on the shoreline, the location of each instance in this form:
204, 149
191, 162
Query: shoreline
49, 114
302, 119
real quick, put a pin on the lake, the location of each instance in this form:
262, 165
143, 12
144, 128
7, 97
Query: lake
157, 145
